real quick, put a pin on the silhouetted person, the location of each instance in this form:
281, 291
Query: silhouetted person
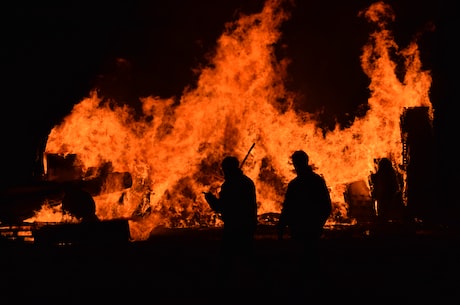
237, 205
305, 209
386, 191
79, 203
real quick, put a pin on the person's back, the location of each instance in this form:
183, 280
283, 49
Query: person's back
236, 203
238, 207
386, 191
307, 203
305, 210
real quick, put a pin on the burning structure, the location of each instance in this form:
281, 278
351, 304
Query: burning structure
172, 149
60, 208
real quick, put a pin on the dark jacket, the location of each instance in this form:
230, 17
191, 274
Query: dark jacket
306, 207
237, 204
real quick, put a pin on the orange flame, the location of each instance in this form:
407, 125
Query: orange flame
173, 151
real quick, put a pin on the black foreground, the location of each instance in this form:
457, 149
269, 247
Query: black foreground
393, 264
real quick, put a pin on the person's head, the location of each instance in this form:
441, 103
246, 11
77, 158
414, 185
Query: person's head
385, 165
300, 160
230, 166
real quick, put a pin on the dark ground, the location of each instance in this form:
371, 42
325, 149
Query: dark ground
361, 265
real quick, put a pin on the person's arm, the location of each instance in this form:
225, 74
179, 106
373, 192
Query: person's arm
282, 221
213, 201
289, 210
327, 209
281, 227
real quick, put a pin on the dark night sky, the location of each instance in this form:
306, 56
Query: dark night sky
54, 53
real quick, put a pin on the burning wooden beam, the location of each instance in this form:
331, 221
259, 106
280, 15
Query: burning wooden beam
20, 202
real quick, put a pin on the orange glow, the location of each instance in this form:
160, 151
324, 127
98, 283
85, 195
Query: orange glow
239, 99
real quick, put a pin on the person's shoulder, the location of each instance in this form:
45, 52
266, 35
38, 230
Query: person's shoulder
297, 181
317, 178
247, 178
316, 175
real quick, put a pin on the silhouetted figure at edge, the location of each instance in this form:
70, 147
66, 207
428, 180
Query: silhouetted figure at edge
237, 205
79, 203
305, 209
386, 191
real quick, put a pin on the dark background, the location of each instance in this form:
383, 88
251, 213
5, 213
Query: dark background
53, 54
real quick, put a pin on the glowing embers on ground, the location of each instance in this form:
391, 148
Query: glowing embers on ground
174, 147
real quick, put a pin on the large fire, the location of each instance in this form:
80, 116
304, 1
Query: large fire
174, 148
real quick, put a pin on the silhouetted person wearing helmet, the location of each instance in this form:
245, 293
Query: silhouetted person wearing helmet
238, 207
306, 207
